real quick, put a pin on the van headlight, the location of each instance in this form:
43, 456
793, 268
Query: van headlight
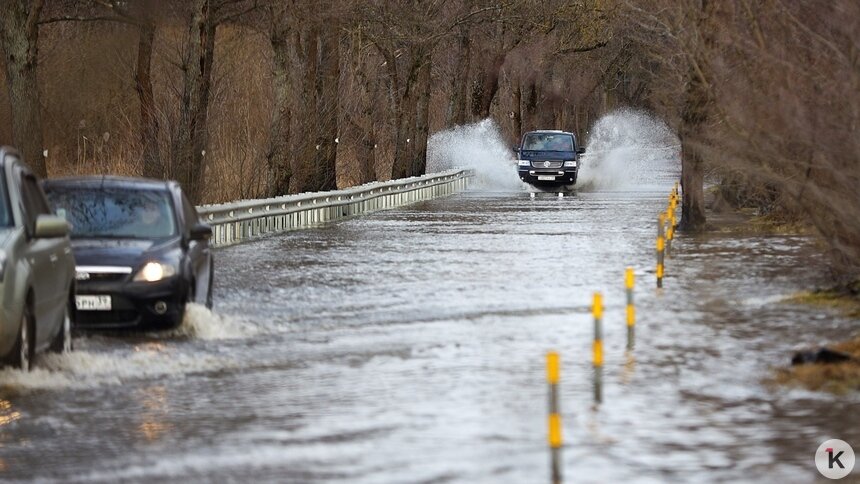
570, 164
523, 162
154, 272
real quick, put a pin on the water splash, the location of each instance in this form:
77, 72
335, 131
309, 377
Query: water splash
148, 355
479, 146
630, 150
90, 369
202, 323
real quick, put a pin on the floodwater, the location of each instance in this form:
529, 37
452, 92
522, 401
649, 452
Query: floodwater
408, 347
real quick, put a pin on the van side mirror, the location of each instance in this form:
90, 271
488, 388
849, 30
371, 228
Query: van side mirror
200, 232
51, 226
580, 150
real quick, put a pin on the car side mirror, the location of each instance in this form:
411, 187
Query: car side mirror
516, 149
51, 226
580, 150
201, 232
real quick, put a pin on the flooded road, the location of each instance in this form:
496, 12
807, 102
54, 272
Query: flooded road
408, 346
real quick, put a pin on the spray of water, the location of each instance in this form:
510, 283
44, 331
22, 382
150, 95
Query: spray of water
479, 146
630, 150
202, 323
91, 366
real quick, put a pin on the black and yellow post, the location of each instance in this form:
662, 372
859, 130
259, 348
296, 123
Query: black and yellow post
597, 348
631, 310
661, 221
553, 374
670, 225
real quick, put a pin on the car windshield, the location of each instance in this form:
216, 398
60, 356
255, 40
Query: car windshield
548, 142
115, 213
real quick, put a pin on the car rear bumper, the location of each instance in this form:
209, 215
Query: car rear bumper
139, 305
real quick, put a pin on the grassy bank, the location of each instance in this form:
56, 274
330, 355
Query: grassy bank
845, 299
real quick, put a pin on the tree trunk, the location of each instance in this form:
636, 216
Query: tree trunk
693, 119
459, 83
517, 118
531, 105
692, 181
405, 114
325, 164
19, 34
365, 149
197, 73
422, 119
278, 156
306, 145
151, 159
695, 114
486, 86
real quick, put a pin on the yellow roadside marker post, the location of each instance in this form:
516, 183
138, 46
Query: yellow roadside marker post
631, 310
553, 374
661, 220
597, 359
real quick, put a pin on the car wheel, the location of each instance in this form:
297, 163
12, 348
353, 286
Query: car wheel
63, 341
211, 283
22, 353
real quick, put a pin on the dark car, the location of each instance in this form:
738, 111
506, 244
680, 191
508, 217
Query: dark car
548, 158
142, 253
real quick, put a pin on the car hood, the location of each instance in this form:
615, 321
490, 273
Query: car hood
547, 155
119, 252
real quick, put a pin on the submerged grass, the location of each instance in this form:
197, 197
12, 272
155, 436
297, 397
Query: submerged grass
837, 378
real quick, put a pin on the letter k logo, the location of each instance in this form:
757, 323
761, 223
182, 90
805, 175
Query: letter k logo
834, 459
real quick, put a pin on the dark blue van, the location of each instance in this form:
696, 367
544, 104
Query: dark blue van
548, 158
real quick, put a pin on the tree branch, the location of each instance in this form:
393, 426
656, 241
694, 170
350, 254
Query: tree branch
124, 20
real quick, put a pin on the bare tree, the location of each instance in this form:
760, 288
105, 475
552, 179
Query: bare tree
19, 36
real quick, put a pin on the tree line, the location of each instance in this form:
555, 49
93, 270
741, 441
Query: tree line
351, 86
249, 98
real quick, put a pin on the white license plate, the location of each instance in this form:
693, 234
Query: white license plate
546, 178
93, 303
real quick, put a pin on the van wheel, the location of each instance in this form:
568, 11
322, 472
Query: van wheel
63, 341
22, 353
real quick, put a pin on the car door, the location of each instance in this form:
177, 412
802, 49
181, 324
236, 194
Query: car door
199, 252
47, 260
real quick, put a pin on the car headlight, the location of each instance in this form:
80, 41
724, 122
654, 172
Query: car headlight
2, 264
523, 162
154, 272
571, 164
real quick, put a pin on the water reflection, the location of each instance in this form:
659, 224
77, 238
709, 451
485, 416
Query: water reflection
598, 386
629, 368
153, 420
7, 413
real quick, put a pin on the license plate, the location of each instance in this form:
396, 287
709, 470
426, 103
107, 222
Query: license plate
93, 303
546, 178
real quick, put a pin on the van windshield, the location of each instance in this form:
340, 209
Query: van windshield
548, 142
114, 213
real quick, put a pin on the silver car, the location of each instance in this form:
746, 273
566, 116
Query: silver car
37, 268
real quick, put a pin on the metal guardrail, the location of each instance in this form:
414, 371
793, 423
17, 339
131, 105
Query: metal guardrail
239, 221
